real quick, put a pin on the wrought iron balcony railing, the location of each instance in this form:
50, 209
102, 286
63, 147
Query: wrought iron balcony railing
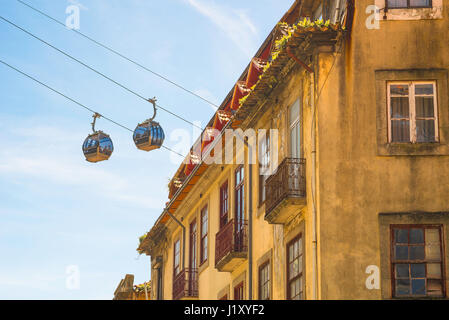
289, 181
232, 238
185, 284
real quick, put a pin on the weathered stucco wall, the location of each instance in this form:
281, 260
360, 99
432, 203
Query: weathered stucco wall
356, 183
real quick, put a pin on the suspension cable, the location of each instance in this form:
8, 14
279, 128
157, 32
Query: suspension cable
76, 102
96, 71
119, 54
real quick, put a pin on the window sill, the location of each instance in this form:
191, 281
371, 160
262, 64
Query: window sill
413, 149
418, 298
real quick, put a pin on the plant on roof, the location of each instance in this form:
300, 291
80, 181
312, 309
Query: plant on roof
141, 238
265, 68
242, 100
141, 287
304, 23
282, 42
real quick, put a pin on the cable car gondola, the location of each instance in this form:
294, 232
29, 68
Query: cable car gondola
149, 135
98, 145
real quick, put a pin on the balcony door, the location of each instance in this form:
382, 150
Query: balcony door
239, 207
295, 130
193, 264
238, 292
224, 204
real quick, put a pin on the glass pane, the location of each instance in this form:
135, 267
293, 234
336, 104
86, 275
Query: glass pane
294, 112
399, 89
294, 268
300, 264
399, 108
419, 286
434, 288
402, 271
424, 89
293, 291
290, 253
419, 3
295, 248
400, 131
425, 130
397, 3
401, 235
433, 252
417, 253
402, 287
418, 270
93, 143
416, 236
295, 140
401, 253
434, 270
432, 236
425, 107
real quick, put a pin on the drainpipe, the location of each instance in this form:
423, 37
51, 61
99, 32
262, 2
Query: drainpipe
250, 223
183, 236
314, 210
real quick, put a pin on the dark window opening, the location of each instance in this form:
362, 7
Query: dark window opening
417, 265
406, 4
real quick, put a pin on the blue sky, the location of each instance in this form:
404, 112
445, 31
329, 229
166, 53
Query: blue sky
56, 209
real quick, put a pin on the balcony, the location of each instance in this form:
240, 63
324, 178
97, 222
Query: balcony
231, 246
286, 191
185, 285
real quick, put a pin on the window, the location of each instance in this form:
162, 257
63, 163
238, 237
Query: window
239, 235
238, 292
264, 165
295, 131
239, 194
412, 112
294, 269
204, 232
318, 14
224, 205
417, 263
404, 4
177, 258
160, 286
264, 281
193, 246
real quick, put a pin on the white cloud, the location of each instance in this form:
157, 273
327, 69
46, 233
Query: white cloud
233, 22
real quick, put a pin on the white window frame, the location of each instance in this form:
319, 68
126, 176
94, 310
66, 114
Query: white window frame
412, 108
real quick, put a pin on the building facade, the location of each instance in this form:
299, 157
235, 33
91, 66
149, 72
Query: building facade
344, 193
